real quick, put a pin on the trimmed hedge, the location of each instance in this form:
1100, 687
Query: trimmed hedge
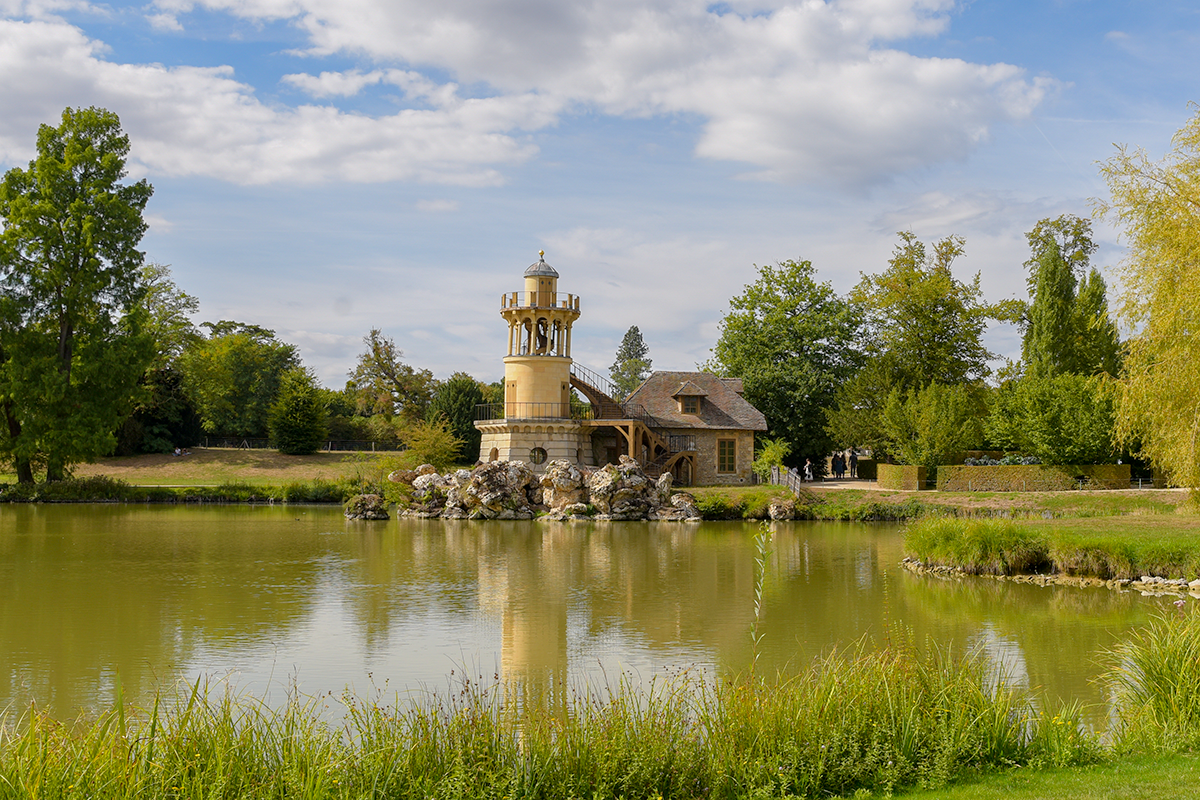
904, 478
867, 469
1032, 477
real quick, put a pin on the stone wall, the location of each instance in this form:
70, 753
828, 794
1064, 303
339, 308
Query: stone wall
706, 456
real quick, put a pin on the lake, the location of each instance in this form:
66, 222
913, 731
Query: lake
268, 597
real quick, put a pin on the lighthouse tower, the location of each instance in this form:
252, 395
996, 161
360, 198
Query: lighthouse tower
535, 422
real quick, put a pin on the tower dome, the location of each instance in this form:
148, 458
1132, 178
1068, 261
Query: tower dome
541, 268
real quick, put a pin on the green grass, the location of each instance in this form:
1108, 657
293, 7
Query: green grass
1099, 547
870, 721
1126, 779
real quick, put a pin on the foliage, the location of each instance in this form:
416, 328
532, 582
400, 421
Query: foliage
1063, 419
632, 364
72, 346
927, 325
1155, 206
163, 417
232, 377
978, 546
909, 478
932, 425
771, 453
428, 442
855, 720
298, 421
792, 342
1155, 677
454, 401
1067, 325
383, 384
1032, 477
923, 326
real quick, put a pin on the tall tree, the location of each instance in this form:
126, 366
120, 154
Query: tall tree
454, 403
792, 342
1157, 206
1067, 325
72, 346
631, 365
383, 384
298, 419
922, 326
232, 377
163, 417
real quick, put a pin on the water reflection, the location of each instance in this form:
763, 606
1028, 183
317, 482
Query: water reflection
268, 594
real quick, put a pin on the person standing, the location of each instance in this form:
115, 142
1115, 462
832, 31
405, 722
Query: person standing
853, 464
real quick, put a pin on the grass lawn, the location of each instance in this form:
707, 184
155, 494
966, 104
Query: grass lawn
1131, 779
214, 467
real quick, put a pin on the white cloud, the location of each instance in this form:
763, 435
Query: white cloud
201, 121
164, 22
334, 84
802, 89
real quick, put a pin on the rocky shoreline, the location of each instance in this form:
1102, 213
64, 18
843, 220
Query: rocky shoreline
510, 490
1148, 585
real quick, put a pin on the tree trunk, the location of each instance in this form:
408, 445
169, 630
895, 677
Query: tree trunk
24, 468
55, 470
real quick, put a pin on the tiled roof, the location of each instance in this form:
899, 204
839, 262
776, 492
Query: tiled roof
721, 407
689, 389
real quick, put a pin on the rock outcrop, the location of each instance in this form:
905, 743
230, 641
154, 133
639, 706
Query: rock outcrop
366, 506
511, 490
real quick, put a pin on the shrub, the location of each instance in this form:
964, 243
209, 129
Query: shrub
298, 422
907, 478
1032, 478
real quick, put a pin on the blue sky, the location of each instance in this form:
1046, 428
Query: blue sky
327, 168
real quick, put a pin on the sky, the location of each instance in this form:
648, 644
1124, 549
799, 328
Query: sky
325, 168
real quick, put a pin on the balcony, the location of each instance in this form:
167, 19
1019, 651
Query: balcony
539, 300
488, 412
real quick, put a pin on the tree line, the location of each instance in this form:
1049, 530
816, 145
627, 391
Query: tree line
99, 354
898, 364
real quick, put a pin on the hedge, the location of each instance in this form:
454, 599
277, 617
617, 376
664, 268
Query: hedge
906, 478
1032, 478
866, 469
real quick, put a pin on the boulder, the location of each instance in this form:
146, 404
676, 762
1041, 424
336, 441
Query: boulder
562, 485
781, 509
496, 490
366, 506
402, 476
426, 469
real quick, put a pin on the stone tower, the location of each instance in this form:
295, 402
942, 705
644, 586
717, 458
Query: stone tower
535, 423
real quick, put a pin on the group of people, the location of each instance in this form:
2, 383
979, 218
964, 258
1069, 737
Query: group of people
840, 463
838, 466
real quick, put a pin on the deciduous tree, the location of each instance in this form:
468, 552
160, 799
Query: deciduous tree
72, 344
298, 420
932, 425
383, 384
1156, 204
232, 377
454, 403
791, 340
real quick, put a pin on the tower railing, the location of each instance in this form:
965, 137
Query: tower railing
545, 299
486, 412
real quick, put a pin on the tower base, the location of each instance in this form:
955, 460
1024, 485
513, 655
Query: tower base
536, 442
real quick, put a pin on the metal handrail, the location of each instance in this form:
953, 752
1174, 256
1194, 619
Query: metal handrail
485, 412
596, 380
546, 299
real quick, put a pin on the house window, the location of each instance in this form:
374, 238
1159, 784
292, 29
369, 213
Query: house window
537, 455
726, 455
691, 405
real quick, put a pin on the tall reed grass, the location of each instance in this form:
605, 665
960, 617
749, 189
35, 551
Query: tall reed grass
876, 721
978, 546
1155, 681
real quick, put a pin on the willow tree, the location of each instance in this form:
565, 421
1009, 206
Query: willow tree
1156, 204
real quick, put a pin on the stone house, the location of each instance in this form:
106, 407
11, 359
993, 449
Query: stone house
710, 411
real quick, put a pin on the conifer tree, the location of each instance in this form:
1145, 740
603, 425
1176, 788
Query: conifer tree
631, 365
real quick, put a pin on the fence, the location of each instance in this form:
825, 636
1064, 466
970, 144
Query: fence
786, 476
330, 446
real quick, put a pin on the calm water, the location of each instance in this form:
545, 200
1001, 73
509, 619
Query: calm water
268, 596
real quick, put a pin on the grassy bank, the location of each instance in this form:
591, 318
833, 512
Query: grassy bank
1108, 548
875, 722
854, 724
